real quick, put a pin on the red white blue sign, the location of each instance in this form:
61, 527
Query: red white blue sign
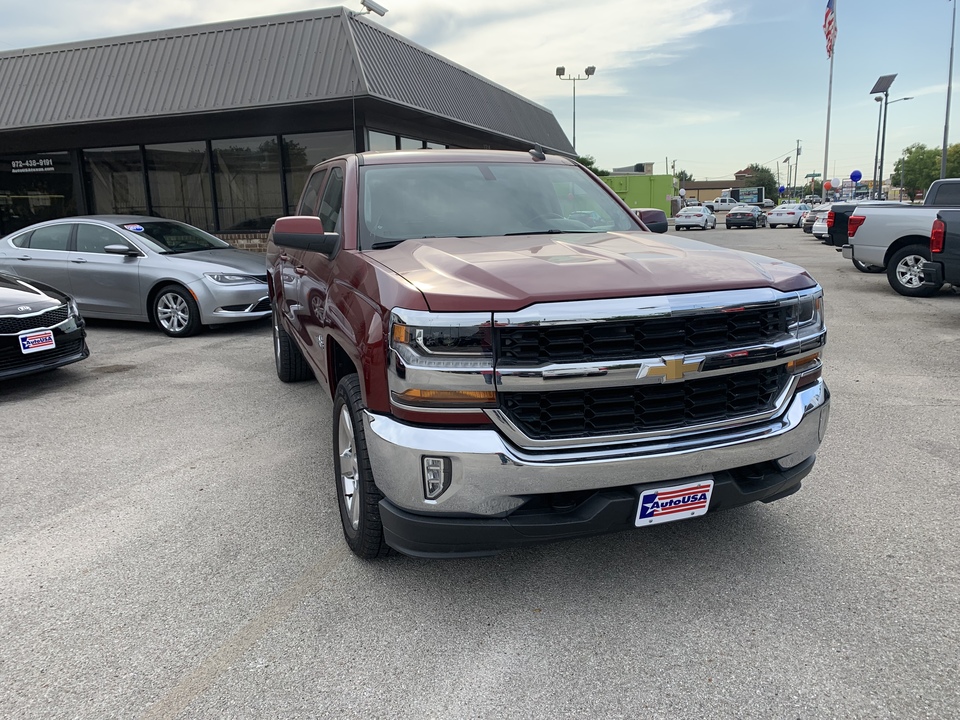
678, 502
36, 341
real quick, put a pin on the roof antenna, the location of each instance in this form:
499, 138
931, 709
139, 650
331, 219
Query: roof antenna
537, 152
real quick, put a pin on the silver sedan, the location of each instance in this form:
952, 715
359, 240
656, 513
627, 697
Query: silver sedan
146, 269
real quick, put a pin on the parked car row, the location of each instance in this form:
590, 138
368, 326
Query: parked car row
898, 239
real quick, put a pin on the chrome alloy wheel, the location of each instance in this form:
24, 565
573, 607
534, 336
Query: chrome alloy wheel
349, 471
910, 271
173, 313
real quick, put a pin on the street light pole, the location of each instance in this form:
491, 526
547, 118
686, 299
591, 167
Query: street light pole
883, 142
876, 154
946, 121
588, 73
880, 91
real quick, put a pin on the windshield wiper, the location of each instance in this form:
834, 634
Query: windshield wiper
384, 244
551, 231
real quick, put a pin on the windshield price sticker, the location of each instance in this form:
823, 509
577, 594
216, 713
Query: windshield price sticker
134, 228
32, 342
679, 502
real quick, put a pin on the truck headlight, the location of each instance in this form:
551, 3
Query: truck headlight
806, 321
441, 360
806, 318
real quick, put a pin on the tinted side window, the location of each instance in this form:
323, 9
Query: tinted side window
22, 240
94, 238
332, 201
53, 237
308, 201
948, 194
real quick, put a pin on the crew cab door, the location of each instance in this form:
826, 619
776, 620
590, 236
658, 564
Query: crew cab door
289, 263
317, 271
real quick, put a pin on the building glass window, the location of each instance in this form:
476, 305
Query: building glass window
436, 146
410, 144
34, 188
302, 152
247, 175
381, 141
179, 175
114, 179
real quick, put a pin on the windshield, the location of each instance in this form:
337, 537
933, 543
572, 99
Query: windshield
437, 200
174, 237
691, 211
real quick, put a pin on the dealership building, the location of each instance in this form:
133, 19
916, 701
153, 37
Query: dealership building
218, 125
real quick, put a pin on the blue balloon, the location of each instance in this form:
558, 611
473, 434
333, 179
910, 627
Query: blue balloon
781, 189
856, 175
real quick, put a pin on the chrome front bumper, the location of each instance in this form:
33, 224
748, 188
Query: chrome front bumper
490, 476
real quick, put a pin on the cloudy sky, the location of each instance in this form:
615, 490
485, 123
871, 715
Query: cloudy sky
710, 84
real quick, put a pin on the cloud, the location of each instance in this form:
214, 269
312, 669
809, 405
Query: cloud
520, 45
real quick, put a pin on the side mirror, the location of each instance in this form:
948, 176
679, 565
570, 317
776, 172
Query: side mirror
119, 249
303, 232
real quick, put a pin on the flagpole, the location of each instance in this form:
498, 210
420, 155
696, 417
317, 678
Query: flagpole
826, 142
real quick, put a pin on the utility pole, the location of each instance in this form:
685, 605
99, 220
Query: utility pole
797, 166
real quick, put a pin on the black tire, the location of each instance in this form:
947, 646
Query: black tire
357, 493
291, 364
175, 312
904, 273
870, 269
772, 225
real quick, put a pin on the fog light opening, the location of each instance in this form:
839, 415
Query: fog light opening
436, 476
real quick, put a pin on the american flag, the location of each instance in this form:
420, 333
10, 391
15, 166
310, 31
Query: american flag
830, 26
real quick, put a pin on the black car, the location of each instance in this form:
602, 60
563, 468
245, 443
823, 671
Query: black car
40, 328
746, 216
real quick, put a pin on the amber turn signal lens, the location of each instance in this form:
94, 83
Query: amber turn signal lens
419, 396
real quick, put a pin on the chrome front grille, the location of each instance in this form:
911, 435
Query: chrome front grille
639, 338
622, 410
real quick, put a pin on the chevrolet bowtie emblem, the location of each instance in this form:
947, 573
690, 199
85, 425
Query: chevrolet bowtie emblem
671, 370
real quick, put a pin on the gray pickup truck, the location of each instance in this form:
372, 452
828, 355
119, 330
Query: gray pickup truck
892, 237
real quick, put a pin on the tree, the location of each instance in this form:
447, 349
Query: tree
684, 176
761, 176
590, 162
918, 166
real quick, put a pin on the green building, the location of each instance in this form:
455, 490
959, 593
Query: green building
643, 191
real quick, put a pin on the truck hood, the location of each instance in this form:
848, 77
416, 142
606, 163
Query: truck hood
504, 274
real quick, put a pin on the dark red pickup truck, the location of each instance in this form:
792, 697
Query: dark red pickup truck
504, 373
